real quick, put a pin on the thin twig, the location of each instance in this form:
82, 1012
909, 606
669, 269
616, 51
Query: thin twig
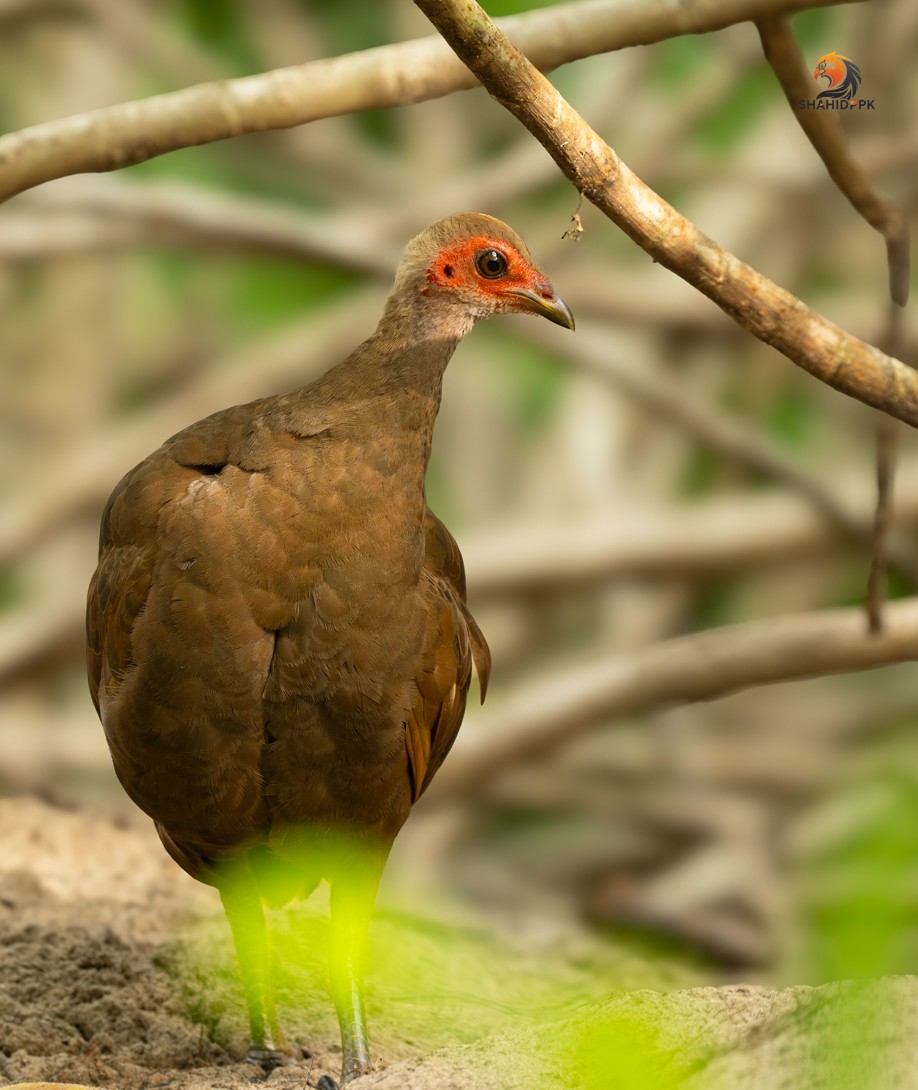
828, 139
881, 552
825, 133
393, 75
756, 303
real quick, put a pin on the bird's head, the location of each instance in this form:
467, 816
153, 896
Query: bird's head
831, 67
479, 266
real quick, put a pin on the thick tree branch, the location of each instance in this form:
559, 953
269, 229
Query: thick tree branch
703, 666
760, 306
393, 75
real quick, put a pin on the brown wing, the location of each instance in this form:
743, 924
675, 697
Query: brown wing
128, 540
454, 644
117, 593
174, 654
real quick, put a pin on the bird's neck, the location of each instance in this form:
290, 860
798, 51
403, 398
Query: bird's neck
382, 402
391, 384
397, 384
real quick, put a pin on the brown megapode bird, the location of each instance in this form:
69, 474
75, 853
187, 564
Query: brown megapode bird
279, 647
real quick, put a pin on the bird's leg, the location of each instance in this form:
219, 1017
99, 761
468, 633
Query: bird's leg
243, 907
352, 897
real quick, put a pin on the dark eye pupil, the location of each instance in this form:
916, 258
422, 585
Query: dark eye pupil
491, 263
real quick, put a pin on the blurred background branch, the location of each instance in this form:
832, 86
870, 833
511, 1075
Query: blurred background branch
703, 666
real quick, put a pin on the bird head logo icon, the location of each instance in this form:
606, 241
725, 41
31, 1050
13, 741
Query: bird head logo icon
842, 74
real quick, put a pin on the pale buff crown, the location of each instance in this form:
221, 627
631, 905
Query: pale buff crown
423, 248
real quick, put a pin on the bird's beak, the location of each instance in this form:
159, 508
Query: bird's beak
551, 306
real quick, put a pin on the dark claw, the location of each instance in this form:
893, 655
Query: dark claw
326, 1083
267, 1058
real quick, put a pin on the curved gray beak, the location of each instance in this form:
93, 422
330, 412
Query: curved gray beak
547, 304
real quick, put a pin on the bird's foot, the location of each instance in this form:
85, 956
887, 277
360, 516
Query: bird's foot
268, 1057
350, 1073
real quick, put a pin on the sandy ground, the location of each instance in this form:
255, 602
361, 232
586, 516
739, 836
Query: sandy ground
116, 972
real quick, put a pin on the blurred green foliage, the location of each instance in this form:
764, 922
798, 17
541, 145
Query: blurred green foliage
430, 984
279, 291
532, 378
628, 1055
860, 892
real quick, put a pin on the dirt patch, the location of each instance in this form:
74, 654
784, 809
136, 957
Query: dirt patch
85, 910
116, 972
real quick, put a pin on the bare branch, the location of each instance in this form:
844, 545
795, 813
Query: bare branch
706, 665
709, 538
111, 212
712, 538
735, 440
883, 551
756, 303
393, 75
882, 518
827, 137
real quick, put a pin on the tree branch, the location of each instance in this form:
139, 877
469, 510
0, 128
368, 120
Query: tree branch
828, 139
550, 713
103, 212
392, 75
710, 538
760, 306
735, 440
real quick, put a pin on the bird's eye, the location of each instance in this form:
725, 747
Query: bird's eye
491, 264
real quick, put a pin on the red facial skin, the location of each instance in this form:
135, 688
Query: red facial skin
455, 269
